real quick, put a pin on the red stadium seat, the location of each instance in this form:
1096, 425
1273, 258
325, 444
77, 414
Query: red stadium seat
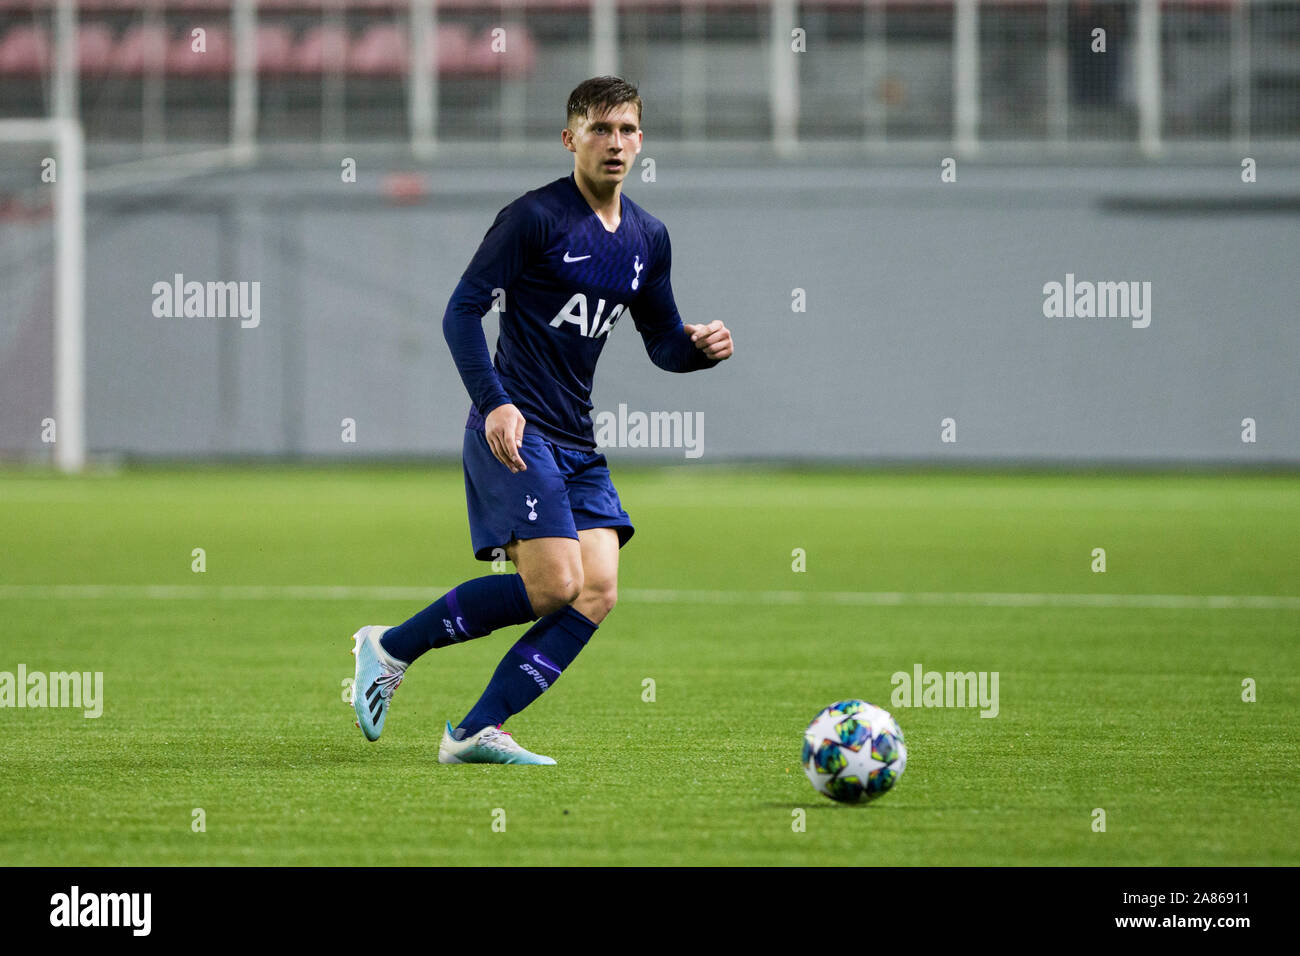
520, 55
274, 48
322, 49
141, 49
452, 46
94, 49
205, 5
95, 6
481, 60
182, 59
381, 51
24, 51
518, 58
576, 5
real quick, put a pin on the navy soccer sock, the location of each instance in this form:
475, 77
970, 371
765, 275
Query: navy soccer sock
529, 668
469, 610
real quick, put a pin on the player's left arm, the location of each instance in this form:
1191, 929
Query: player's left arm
670, 343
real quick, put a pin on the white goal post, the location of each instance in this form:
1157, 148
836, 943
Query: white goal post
65, 140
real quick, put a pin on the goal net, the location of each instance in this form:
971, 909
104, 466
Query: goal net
42, 278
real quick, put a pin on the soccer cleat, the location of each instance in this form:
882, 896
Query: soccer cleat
489, 745
377, 676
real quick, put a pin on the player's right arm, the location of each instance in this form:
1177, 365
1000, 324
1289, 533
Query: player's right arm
507, 249
504, 429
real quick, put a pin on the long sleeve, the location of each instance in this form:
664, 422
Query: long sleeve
655, 315
507, 248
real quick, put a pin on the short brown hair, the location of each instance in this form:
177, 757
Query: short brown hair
602, 93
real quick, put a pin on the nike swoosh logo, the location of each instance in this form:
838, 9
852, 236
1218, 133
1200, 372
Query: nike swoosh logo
537, 659
575, 258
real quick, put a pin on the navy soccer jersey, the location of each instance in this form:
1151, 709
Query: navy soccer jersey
567, 282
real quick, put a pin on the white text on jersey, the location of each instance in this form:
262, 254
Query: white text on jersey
575, 311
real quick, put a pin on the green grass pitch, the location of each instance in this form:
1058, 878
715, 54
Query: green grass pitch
232, 701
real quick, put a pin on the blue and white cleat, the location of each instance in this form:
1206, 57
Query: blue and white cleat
377, 676
489, 745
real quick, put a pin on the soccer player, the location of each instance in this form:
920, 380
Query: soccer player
563, 263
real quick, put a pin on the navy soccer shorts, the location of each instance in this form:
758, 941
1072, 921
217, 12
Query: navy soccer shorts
563, 491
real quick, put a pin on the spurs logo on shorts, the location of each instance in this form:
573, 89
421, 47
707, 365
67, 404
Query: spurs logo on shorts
532, 507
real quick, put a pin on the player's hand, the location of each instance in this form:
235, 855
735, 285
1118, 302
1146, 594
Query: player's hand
504, 428
714, 339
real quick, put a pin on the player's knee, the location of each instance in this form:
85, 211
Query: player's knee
555, 590
567, 588
598, 600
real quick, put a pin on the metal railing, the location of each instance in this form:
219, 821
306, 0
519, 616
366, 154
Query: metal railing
1136, 76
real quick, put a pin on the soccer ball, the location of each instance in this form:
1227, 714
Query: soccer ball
853, 751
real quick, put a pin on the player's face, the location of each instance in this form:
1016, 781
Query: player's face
605, 145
